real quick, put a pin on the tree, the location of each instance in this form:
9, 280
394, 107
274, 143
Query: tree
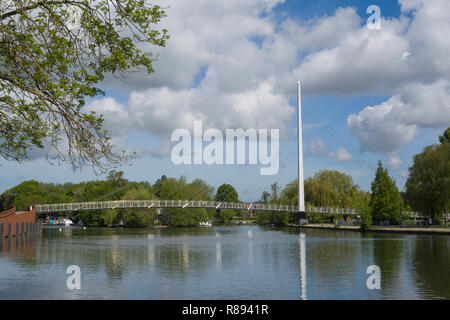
53, 54
331, 188
274, 187
33, 192
265, 197
116, 178
366, 218
428, 184
270, 217
179, 189
445, 138
225, 193
385, 201
157, 187
137, 217
289, 195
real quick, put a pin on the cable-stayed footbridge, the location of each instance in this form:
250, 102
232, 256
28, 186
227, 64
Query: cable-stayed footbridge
139, 204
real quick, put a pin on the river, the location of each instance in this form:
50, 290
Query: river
224, 262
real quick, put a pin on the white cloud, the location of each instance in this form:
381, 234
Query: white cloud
341, 154
364, 61
117, 119
159, 111
317, 147
394, 162
408, 49
385, 128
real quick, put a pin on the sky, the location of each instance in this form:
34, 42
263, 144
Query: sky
367, 94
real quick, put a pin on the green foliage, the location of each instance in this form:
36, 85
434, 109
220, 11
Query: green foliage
445, 138
225, 193
385, 202
331, 188
139, 218
275, 189
114, 188
116, 179
265, 197
184, 217
428, 184
108, 217
48, 69
276, 218
171, 188
157, 187
223, 216
91, 218
289, 195
32, 192
328, 188
366, 218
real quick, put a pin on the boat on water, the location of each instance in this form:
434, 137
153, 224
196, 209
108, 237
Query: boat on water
205, 224
60, 223
65, 223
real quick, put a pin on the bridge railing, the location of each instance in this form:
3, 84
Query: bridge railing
129, 204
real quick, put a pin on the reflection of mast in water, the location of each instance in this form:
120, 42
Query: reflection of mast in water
151, 254
151, 250
218, 253
116, 262
185, 255
250, 246
302, 266
218, 250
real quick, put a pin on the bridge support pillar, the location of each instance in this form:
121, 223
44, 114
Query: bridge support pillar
302, 218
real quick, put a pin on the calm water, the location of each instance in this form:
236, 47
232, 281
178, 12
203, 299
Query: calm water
239, 262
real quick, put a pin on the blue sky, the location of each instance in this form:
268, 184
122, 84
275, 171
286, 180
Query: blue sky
368, 94
306, 9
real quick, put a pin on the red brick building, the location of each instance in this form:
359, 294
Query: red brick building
17, 223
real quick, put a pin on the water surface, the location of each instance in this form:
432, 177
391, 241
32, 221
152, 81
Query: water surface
235, 262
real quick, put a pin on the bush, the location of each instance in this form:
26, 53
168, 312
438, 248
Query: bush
138, 217
366, 218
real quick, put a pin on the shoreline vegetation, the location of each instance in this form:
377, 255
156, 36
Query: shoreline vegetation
378, 229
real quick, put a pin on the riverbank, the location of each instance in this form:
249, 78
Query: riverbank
393, 229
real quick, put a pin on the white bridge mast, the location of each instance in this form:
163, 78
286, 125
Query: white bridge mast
301, 193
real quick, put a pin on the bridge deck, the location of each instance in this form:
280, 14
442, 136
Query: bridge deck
128, 204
